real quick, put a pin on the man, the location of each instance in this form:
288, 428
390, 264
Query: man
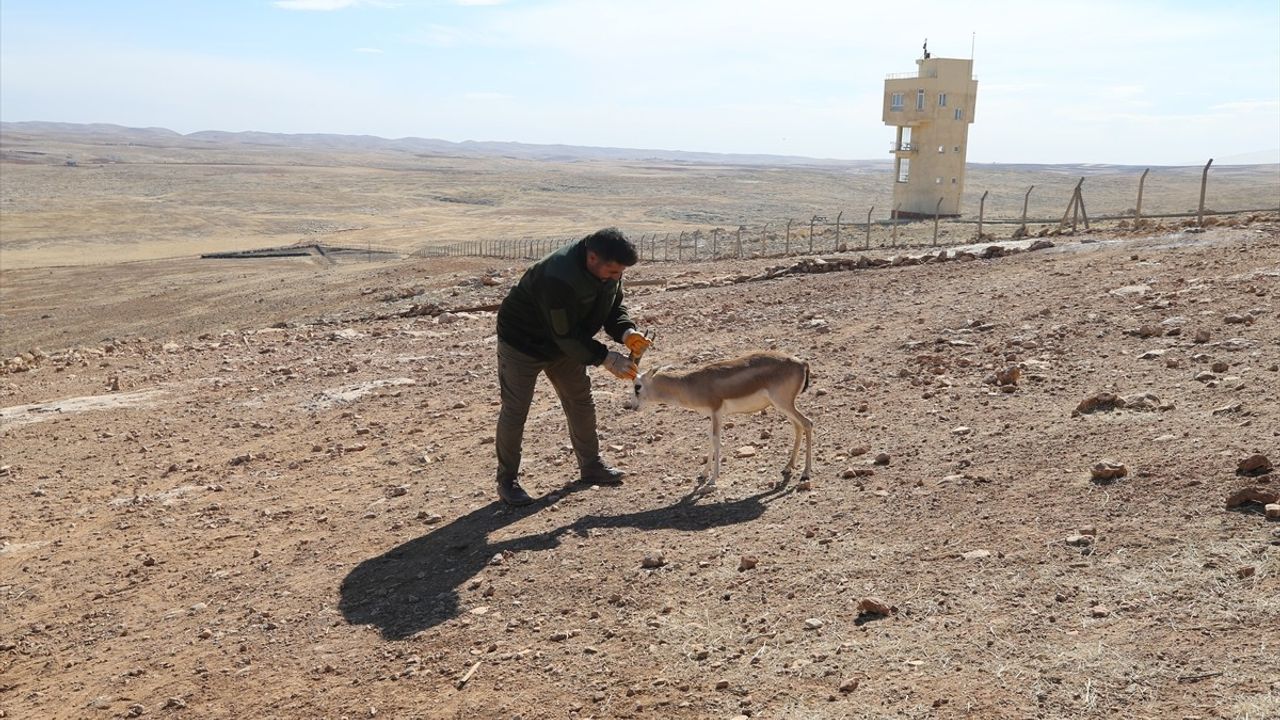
547, 324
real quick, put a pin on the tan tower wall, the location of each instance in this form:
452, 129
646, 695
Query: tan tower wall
931, 142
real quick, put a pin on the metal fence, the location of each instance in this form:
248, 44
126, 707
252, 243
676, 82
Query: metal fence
835, 233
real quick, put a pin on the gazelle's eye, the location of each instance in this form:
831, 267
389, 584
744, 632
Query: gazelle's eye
637, 388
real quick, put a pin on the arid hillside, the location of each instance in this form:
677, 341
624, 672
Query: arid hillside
275, 500
263, 487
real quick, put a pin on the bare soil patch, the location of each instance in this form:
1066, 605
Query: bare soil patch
307, 528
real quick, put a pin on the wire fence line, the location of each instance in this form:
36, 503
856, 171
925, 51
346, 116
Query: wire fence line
834, 233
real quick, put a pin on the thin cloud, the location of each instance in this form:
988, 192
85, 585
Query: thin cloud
1248, 106
325, 5
370, 51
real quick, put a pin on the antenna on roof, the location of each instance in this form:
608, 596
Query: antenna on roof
926, 48
973, 40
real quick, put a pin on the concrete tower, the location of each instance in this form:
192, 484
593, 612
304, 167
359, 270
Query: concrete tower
932, 109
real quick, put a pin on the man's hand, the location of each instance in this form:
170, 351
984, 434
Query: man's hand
620, 365
636, 342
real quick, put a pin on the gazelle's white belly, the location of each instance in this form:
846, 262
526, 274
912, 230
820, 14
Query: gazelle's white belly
759, 400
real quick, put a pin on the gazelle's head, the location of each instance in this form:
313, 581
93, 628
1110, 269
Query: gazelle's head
642, 391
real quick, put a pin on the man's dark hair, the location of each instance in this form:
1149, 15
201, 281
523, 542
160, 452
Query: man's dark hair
612, 246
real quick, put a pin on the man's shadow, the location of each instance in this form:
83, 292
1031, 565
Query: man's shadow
414, 586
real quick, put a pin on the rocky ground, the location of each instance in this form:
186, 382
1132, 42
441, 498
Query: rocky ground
265, 490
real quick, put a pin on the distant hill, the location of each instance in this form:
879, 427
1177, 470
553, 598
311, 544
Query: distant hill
114, 134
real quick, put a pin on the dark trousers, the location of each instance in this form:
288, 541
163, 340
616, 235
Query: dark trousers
517, 376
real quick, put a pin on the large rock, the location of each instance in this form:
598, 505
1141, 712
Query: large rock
1255, 464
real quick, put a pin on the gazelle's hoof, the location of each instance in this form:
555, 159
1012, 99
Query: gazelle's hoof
705, 489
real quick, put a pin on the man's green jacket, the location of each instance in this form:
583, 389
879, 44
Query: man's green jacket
558, 306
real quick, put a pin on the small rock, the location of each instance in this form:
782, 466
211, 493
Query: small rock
1100, 611
849, 685
1255, 464
1108, 470
1238, 319
874, 606
976, 554
1144, 402
1009, 376
813, 624
653, 560
882, 459
745, 451
1099, 402
1202, 336
1246, 572
748, 562
1080, 540
1272, 511
1220, 367
962, 430
1261, 495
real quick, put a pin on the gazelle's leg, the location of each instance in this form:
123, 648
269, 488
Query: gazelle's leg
715, 450
800, 423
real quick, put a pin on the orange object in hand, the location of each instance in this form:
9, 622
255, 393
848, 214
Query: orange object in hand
636, 342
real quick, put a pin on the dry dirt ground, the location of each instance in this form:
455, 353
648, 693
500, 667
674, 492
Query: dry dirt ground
264, 489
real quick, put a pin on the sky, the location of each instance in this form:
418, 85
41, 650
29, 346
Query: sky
1172, 82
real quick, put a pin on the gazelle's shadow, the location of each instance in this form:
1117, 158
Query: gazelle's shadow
414, 586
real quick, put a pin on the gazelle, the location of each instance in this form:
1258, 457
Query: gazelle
742, 385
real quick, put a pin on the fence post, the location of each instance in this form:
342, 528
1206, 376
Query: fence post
1073, 207
837, 245
1137, 210
738, 243
867, 244
896, 208
1204, 182
715, 243
1025, 199
936, 209
982, 204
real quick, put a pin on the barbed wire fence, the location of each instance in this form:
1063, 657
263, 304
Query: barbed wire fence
819, 233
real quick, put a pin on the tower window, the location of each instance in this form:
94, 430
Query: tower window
942, 99
959, 113
920, 99
942, 149
895, 101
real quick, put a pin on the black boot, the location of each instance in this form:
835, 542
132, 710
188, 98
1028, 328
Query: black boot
598, 473
510, 492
